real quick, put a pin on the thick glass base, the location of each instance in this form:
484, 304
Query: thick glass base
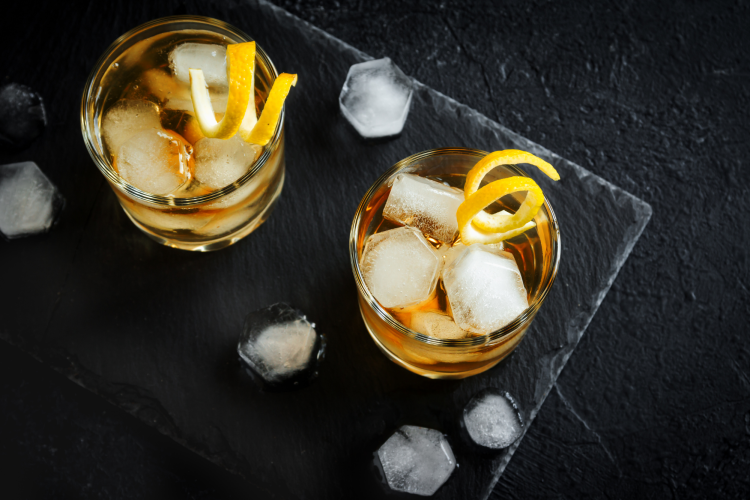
433, 374
218, 243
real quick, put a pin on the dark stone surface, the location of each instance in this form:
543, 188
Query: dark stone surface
655, 401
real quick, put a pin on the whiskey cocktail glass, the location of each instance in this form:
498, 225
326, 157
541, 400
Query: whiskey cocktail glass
536, 253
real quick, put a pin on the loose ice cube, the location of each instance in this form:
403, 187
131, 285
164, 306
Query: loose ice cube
493, 420
29, 202
485, 289
428, 205
376, 98
219, 162
22, 115
416, 460
278, 343
126, 119
436, 325
154, 161
400, 267
209, 58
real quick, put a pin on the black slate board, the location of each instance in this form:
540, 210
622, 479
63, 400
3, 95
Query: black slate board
153, 330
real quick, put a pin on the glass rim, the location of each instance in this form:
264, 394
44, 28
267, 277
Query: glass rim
489, 338
88, 127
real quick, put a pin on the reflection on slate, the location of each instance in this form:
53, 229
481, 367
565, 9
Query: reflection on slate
154, 330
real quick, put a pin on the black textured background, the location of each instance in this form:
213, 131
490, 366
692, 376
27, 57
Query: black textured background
655, 402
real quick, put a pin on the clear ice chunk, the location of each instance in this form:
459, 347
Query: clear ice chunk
376, 97
436, 324
493, 420
219, 162
278, 343
207, 57
22, 115
427, 205
29, 202
450, 254
154, 161
416, 460
485, 289
127, 118
400, 267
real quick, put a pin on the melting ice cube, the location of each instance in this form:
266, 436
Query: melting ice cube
485, 289
376, 97
428, 205
219, 162
416, 460
154, 161
493, 420
22, 115
400, 267
450, 254
436, 325
279, 344
127, 118
29, 202
207, 57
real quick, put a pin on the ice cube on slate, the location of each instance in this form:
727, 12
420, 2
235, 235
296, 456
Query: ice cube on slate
493, 420
436, 324
485, 289
127, 118
428, 205
416, 460
154, 161
278, 343
376, 97
207, 57
22, 115
29, 202
219, 162
400, 267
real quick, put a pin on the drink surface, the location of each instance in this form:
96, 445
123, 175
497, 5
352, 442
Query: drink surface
525, 249
153, 71
150, 137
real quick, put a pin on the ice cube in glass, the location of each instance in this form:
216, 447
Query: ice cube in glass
485, 289
401, 268
425, 204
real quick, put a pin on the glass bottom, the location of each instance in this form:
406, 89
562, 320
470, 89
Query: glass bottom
433, 374
218, 243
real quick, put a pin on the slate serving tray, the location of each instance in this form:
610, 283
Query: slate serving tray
153, 330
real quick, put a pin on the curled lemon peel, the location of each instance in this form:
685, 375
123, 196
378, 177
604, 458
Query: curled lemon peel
262, 131
241, 74
477, 226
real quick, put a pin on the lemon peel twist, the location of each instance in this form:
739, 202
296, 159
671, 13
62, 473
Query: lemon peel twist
241, 74
262, 131
477, 226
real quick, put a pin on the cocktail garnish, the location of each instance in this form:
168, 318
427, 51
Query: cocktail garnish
262, 131
241, 70
240, 115
478, 226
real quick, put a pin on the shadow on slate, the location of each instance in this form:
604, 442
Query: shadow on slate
153, 330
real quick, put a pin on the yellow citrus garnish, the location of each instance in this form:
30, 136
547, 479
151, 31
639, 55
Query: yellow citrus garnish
241, 72
262, 131
240, 114
478, 226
